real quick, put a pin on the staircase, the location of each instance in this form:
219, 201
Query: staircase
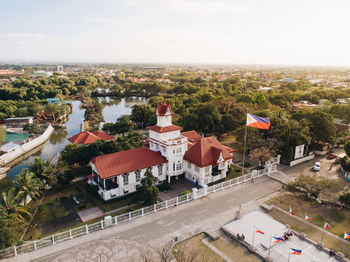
261, 249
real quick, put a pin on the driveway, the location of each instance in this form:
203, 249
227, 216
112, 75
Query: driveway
179, 186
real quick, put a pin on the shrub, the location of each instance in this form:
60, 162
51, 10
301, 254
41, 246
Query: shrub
184, 193
164, 186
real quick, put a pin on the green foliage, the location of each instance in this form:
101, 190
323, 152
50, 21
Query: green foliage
10, 228
147, 191
121, 126
32, 128
313, 185
184, 193
28, 185
82, 154
43, 170
143, 115
2, 134
347, 148
344, 199
165, 186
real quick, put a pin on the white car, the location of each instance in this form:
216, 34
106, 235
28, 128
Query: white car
317, 166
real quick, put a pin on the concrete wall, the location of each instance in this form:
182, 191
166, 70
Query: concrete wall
26, 147
301, 160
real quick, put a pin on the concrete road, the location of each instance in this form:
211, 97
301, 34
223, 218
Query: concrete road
208, 213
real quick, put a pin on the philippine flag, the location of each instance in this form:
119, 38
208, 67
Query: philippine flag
346, 235
307, 217
278, 239
291, 211
295, 251
257, 121
326, 225
259, 231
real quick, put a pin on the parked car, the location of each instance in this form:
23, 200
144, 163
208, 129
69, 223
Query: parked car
331, 156
317, 166
76, 200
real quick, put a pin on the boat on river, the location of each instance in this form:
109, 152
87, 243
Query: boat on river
3, 171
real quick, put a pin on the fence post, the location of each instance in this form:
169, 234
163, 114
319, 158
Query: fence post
34, 245
101, 224
142, 212
116, 220
194, 193
177, 200
70, 233
155, 207
53, 239
129, 216
205, 190
87, 228
15, 249
166, 204
187, 197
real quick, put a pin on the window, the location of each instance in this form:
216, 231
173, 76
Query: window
189, 165
160, 170
173, 166
206, 169
178, 150
138, 175
157, 146
173, 151
163, 149
178, 166
126, 178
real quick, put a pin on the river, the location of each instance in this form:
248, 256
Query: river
113, 108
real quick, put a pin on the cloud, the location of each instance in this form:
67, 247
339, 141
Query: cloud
207, 7
103, 20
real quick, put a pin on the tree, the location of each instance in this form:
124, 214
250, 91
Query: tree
143, 115
11, 201
32, 128
261, 154
10, 228
312, 186
27, 185
123, 125
147, 191
347, 148
2, 134
43, 170
209, 117
344, 199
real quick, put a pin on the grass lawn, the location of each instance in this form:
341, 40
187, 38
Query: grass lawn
234, 172
339, 219
235, 250
194, 250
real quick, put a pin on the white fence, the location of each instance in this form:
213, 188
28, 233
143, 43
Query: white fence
88, 228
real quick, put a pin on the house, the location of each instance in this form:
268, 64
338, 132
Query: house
18, 122
89, 137
171, 153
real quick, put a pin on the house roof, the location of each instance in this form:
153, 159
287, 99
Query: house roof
89, 137
9, 147
159, 129
119, 163
163, 109
192, 135
206, 151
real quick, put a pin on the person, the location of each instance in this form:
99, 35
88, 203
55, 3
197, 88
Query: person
238, 236
243, 236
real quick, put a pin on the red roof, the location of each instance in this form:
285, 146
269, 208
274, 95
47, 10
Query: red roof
163, 109
159, 129
192, 135
115, 164
89, 137
206, 151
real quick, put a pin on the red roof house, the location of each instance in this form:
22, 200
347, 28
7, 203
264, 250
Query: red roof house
89, 137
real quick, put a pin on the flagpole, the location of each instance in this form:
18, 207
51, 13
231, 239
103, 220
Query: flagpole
323, 234
253, 237
268, 256
243, 173
289, 255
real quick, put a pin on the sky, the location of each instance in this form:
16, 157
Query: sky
274, 32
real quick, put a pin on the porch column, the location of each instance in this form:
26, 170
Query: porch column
104, 184
169, 179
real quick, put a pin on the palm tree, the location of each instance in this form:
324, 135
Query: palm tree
11, 201
43, 170
28, 185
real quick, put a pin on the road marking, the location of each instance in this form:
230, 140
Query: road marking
202, 211
231, 200
171, 223
132, 238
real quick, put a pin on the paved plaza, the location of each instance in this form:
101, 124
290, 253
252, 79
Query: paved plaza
279, 251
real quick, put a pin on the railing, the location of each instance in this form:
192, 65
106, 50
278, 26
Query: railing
88, 228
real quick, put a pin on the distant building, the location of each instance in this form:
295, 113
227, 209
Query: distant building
52, 100
41, 73
60, 68
18, 121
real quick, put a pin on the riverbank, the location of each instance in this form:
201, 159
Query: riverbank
6, 159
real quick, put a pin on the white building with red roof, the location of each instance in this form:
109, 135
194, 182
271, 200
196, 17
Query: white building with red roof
201, 160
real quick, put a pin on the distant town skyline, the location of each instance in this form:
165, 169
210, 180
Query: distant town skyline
269, 32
